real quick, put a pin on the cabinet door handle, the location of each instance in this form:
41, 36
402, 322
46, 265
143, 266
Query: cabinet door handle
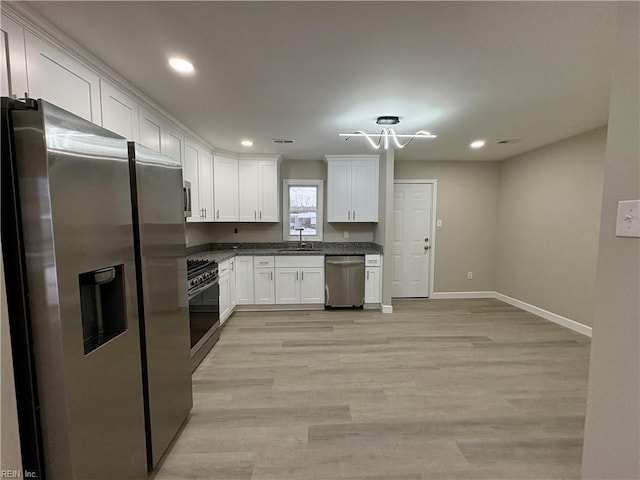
367, 274
260, 214
348, 214
296, 275
303, 275
255, 215
354, 215
218, 213
271, 276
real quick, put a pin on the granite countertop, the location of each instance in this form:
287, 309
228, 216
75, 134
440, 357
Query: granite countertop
219, 252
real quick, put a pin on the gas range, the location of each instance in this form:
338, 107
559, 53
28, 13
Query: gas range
200, 274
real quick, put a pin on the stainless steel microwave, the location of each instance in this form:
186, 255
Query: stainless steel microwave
186, 188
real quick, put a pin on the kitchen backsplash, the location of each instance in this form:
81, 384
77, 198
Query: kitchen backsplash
200, 233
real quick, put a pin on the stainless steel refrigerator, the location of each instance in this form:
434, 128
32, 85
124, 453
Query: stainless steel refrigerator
93, 374
158, 215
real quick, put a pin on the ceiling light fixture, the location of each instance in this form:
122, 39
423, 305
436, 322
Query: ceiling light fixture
477, 144
386, 134
388, 120
247, 143
181, 65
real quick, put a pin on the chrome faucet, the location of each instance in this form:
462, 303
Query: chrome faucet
300, 244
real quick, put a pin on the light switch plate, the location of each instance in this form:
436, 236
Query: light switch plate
345, 234
439, 222
628, 219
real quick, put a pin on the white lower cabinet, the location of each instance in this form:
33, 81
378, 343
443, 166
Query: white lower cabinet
233, 300
299, 280
225, 290
373, 279
287, 286
263, 281
312, 285
244, 280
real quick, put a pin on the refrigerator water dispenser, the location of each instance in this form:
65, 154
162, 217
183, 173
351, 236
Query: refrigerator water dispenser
102, 302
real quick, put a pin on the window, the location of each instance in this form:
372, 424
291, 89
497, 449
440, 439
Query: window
302, 208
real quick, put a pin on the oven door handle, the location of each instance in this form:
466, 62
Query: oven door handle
201, 288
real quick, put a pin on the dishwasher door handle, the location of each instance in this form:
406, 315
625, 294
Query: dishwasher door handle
345, 262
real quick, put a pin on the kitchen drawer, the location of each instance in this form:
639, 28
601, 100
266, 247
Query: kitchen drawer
224, 268
263, 262
372, 260
300, 261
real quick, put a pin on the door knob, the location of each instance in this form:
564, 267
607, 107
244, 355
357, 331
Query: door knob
427, 247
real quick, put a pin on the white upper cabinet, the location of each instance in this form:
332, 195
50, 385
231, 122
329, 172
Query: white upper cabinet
61, 80
205, 172
174, 144
268, 188
248, 190
225, 188
119, 112
259, 189
13, 68
4, 67
352, 188
198, 170
339, 191
151, 130
190, 174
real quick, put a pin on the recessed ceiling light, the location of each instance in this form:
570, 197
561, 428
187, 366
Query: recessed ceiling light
181, 65
388, 120
247, 143
477, 144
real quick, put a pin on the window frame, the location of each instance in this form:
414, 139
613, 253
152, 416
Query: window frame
286, 184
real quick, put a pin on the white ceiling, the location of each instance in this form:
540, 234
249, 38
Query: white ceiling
309, 70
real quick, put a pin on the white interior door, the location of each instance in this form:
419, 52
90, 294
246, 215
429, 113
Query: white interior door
411, 252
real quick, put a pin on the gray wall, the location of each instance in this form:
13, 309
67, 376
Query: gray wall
612, 429
467, 202
548, 222
272, 232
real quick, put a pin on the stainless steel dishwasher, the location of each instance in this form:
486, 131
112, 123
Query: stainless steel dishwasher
344, 277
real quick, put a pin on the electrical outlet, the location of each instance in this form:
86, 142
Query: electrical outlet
345, 234
469, 275
628, 219
439, 222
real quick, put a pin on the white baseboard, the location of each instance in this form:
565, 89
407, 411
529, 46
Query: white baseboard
276, 308
386, 308
462, 295
553, 317
541, 312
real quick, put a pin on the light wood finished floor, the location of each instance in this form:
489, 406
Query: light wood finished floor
455, 389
